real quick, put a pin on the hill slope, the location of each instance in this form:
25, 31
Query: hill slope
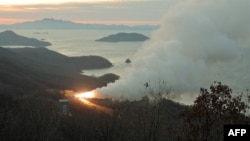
10, 38
40, 68
45, 58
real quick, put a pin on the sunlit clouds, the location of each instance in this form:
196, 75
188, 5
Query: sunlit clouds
131, 12
32, 2
6, 20
119, 22
40, 8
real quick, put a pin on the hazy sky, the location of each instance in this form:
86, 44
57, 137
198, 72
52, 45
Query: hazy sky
132, 12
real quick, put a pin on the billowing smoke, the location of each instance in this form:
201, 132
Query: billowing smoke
194, 35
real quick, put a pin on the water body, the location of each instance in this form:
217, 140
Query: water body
82, 42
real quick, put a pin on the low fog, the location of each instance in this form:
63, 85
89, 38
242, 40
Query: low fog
194, 36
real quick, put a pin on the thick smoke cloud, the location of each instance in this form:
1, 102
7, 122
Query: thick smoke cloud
194, 35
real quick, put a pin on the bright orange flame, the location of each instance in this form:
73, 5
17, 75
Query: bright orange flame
85, 98
90, 94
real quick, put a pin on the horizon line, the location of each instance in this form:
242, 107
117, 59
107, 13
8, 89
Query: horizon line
10, 21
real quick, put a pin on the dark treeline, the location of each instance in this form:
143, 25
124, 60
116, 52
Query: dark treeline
33, 115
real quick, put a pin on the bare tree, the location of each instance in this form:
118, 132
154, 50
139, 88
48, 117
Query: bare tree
158, 92
211, 110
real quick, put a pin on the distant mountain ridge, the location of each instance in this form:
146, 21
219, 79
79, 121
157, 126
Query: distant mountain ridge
50, 23
10, 38
124, 37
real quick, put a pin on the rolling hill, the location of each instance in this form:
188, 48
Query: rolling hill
39, 68
10, 38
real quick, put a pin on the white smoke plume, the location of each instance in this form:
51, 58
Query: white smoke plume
194, 35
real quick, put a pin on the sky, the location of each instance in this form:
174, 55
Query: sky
128, 12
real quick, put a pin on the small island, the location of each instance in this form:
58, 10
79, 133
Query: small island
128, 61
124, 37
10, 38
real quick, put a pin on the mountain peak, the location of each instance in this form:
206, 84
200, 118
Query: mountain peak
54, 20
8, 32
48, 19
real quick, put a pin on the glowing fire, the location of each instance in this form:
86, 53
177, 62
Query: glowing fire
85, 98
84, 95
